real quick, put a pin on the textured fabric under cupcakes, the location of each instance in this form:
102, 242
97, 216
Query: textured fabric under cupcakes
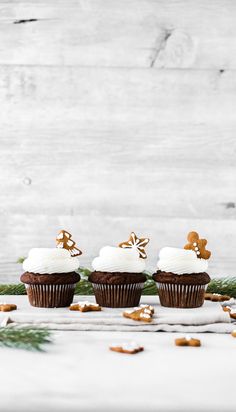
118, 296
50, 296
181, 296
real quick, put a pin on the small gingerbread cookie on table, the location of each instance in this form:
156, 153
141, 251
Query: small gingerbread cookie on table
226, 308
7, 307
142, 313
85, 307
234, 333
187, 341
130, 348
232, 312
216, 297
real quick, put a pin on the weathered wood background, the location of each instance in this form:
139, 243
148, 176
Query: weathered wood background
117, 116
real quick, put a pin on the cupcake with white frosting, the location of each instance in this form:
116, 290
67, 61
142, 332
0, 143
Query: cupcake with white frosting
50, 273
181, 274
118, 276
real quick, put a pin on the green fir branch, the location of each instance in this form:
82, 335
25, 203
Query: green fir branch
24, 338
21, 259
224, 285
13, 289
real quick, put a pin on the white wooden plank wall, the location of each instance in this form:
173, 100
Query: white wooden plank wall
117, 116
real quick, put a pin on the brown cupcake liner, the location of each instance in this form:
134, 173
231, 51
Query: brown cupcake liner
50, 296
118, 296
181, 296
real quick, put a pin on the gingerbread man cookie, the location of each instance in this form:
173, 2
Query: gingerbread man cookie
142, 313
7, 307
135, 242
85, 307
131, 348
187, 341
197, 245
64, 240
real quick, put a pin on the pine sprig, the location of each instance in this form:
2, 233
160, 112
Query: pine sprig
224, 285
21, 259
13, 289
24, 338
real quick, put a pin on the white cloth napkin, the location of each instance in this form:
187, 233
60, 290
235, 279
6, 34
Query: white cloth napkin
209, 318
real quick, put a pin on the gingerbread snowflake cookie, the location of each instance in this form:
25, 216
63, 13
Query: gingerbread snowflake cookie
187, 341
7, 307
136, 243
142, 313
216, 297
197, 245
85, 307
128, 347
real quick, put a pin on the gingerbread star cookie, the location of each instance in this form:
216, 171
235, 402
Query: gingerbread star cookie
142, 313
128, 347
216, 297
136, 243
197, 245
85, 307
187, 341
64, 240
7, 307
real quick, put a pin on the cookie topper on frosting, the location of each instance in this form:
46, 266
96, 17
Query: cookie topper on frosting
197, 245
64, 241
135, 242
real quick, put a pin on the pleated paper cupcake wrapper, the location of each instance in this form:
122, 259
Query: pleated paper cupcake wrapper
118, 296
50, 296
181, 296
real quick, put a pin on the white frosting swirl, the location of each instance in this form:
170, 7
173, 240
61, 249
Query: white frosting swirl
50, 260
180, 261
116, 259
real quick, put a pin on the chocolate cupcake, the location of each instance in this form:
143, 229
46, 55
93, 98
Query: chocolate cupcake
50, 276
181, 276
118, 276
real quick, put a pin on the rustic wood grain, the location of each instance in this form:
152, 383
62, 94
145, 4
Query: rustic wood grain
161, 142
107, 94
133, 33
93, 231
117, 116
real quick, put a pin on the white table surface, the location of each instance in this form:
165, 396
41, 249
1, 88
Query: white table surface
79, 373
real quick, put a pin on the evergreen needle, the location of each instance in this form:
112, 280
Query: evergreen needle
224, 285
24, 338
